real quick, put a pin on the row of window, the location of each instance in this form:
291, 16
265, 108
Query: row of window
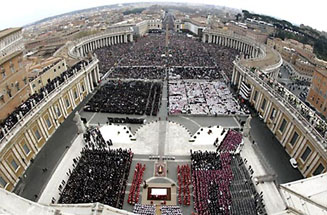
295, 136
13, 163
12, 68
11, 38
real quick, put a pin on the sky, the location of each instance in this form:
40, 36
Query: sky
15, 13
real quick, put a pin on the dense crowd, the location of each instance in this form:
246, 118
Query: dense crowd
125, 120
187, 51
170, 210
202, 98
138, 72
182, 51
144, 209
151, 210
184, 182
208, 73
223, 57
134, 192
127, 97
100, 174
245, 198
222, 184
36, 98
148, 50
111, 55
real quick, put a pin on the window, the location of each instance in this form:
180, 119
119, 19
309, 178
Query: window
20, 63
58, 111
263, 104
306, 154
3, 183
282, 126
83, 88
26, 149
319, 169
17, 86
49, 124
294, 138
67, 102
273, 114
75, 94
37, 134
9, 93
12, 69
14, 164
255, 95
3, 72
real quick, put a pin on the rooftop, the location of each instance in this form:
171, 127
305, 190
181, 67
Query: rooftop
8, 31
309, 193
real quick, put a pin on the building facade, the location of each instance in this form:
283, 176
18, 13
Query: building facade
298, 129
46, 75
22, 143
317, 95
13, 76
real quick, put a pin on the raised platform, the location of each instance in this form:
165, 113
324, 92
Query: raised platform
165, 192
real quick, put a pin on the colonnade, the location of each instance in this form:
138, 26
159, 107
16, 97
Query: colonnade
231, 42
97, 42
294, 132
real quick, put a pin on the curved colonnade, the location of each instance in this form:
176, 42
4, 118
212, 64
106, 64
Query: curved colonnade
297, 127
111, 36
231, 40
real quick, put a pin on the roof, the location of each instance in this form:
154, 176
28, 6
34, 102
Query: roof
10, 56
309, 193
8, 31
322, 71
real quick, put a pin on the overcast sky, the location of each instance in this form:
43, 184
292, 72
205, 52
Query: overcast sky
16, 13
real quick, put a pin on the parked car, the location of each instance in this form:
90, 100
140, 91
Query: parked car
293, 163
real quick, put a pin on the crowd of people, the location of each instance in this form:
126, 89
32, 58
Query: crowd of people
144, 209
148, 50
202, 98
110, 56
134, 192
170, 210
126, 120
208, 73
127, 97
37, 97
186, 51
100, 174
138, 72
151, 209
184, 182
245, 198
182, 51
218, 179
223, 57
